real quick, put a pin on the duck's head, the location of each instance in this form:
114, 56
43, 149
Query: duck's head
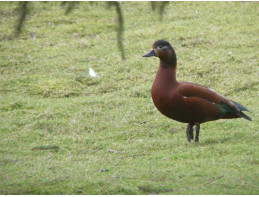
164, 51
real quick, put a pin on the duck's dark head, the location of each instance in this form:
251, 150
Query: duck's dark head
164, 51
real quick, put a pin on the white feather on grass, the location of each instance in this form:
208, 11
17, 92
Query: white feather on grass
92, 73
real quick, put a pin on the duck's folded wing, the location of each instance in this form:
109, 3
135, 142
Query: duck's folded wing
225, 105
195, 90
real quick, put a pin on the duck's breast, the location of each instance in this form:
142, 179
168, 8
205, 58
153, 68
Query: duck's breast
168, 100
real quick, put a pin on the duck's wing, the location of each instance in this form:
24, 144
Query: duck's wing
225, 105
195, 90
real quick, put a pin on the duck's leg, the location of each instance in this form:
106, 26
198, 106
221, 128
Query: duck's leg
197, 132
189, 132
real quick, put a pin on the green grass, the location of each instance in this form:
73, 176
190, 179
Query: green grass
63, 132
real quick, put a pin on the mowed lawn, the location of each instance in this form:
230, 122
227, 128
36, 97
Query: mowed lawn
65, 132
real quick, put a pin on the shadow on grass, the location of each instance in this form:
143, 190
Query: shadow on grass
46, 147
149, 189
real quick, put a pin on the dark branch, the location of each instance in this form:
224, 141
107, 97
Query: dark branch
120, 26
63, 3
162, 8
153, 5
71, 6
23, 10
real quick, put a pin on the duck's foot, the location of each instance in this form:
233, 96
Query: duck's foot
189, 132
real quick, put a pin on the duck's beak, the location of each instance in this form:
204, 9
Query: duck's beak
150, 54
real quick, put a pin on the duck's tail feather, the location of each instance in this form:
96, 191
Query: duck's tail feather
241, 107
241, 114
236, 110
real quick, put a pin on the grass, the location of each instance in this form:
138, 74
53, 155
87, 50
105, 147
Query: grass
63, 132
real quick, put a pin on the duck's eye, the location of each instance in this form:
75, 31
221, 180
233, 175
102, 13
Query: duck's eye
160, 47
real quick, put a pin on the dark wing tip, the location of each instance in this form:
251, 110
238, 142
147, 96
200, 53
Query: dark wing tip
226, 108
239, 106
241, 114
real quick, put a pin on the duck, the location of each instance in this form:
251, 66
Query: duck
187, 102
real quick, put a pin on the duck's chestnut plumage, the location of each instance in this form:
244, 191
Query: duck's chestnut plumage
187, 102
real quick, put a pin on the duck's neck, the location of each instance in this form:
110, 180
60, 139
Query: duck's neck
167, 71
165, 79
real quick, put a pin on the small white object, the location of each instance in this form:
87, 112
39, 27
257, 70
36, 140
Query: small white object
92, 73
140, 140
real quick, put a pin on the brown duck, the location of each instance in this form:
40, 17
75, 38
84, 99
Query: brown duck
187, 102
